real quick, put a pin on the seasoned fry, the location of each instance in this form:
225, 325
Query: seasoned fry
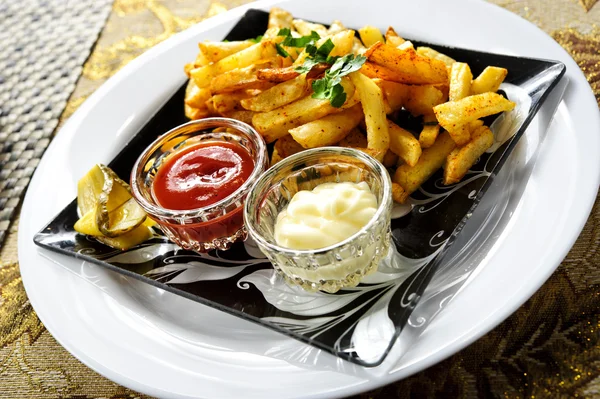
304, 28
277, 75
329, 129
398, 193
407, 66
275, 157
392, 38
431, 53
460, 81
354, 139
370, 35
430, 132
489, 80
278, 95
216, 51
275, 124
241, 115
371, 97
396, 94
287, 146
239, 79
224, 103
422, 99
453, 114
461, 134
279, 18
461, 159
260, 51
432, 158
196, 97
404, 144
195, 113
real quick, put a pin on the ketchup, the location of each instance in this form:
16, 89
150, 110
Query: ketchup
201, 175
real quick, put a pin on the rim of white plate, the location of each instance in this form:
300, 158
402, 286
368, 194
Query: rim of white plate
586, 197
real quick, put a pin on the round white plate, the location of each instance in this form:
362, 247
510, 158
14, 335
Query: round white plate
164, 345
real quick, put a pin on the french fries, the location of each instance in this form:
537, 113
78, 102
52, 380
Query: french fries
404, 144
370, 35
489, 80
289, 100
453, 114
371, 97
406, 66
461, 159
329, 129
411, 177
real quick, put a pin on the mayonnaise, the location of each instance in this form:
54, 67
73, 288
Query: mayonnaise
325, 216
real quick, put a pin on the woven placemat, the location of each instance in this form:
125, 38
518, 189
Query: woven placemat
43, 45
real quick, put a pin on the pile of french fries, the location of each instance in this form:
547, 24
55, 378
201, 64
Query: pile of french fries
249, 81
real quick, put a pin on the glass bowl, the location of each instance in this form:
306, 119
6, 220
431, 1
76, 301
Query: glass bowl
340, 265
215, 226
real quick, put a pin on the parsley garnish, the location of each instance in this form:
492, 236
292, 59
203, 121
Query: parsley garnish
303, 41
257, 39
281, 51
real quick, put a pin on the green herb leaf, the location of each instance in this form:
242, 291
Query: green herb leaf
329, 87
284, 32
324, 50
338, 96
301, 41
257, 39
281, 51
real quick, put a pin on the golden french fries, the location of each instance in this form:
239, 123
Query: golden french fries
285, 99
216, 51
278, 95
461, 159
406, 65
454, 114
489, 80
404, 144
432, 158
371, 97
370, 35
329, 129
460, 81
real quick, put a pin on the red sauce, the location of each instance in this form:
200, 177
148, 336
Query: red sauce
201, 175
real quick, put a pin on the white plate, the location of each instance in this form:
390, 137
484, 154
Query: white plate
128, 331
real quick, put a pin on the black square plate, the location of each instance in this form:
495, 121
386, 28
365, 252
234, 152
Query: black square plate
241, 282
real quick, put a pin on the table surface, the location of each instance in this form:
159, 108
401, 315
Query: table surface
549, 348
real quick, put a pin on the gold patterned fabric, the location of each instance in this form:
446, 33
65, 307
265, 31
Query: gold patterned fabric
550, 348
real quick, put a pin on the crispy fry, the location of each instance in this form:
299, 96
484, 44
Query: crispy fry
278, 95
224, 103
304, 28
241, 115
370, 35
216, 51
260, 51
354, 139
275, 124
277, 75
329, 129
392, 38
398, 193
195, 113
460, 81
406, 66
404, 144
461, 134
430, 131
422, 99
371, 97
396, 94
461, 159
196, 97
239, 79
489, 80
431, 53
279, 18
275, 157
453, 114
432, 158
